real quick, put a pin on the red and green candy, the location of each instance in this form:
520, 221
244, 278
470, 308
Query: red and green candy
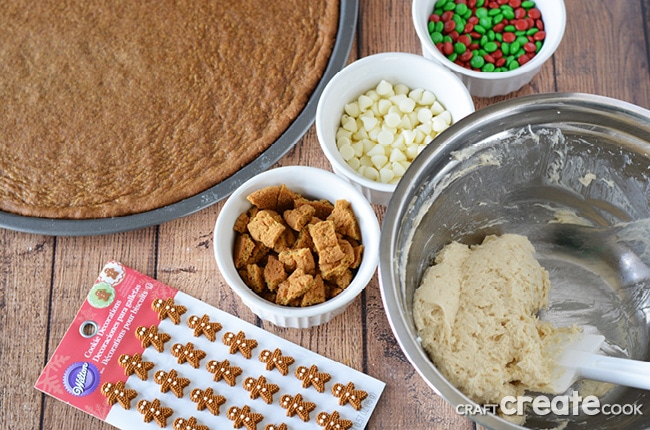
487, 36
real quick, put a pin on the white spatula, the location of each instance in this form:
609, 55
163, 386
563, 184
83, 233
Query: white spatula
579, 360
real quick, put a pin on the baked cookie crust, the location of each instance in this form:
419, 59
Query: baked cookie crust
116, 108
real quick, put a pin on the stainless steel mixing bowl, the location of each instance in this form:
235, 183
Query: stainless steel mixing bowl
523, 166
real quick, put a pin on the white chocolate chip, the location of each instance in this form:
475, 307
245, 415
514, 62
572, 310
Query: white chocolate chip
391, 115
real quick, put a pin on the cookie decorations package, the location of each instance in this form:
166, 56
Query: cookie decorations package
140, 354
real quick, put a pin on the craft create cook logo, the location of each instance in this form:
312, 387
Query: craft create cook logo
563, 405
81, 378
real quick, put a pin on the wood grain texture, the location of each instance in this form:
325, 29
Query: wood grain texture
25, 280
611, 57
43, 280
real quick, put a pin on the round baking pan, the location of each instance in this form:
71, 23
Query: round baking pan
90, 227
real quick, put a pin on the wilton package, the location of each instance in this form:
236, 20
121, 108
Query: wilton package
142, 354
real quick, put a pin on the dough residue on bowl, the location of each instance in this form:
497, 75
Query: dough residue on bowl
475, 311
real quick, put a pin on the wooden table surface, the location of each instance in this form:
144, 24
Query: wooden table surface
44, 279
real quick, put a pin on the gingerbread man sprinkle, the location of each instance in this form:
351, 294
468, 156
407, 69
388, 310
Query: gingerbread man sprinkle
187, 353
118, 392
168, 309
238, 342
295, 405
103, 295
207, 399
276, 360
223, 370
282, 426
312, 377
110, 272
260, 388
151, 336
332, 421
154, 411
348, 394
171, 381
188, 424
134, 364
203, 326
244, 417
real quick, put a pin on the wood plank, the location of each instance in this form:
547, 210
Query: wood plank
407, 402
186, 256
606, 53
386, 26
25, 278
77, 263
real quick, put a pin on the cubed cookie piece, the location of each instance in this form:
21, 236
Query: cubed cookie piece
342, 280
244, 248
247, 251
344, 219
285, 241
315, 295
301, 258
326, 242
332, 290
358, 254
253, 276
333, 269
266, 198
274, 273
294, 287
265, 228
286, 198
323, 207
241, 223
303, 240
299, 217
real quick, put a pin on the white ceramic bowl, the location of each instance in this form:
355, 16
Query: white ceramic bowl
312, 183
490, 84
364, 74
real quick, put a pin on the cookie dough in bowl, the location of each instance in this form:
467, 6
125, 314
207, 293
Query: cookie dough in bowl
475, 311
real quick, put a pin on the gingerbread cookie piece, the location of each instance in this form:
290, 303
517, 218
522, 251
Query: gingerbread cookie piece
207, 399
244, 417
166, 308
171, 381
154, 411
151, 336
238, 342
275, 360
187, 353
134, 364
260, 388
203, 326
295, 405
312, 377
332, 421
281, 426
348, 394
223, 370
118, 392
188, 424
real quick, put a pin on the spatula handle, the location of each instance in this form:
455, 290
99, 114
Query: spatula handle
621, 371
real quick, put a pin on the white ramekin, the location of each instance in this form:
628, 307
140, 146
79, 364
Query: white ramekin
313, 183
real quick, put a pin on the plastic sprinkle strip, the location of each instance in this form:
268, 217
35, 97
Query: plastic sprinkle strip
216, 377
487, 36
